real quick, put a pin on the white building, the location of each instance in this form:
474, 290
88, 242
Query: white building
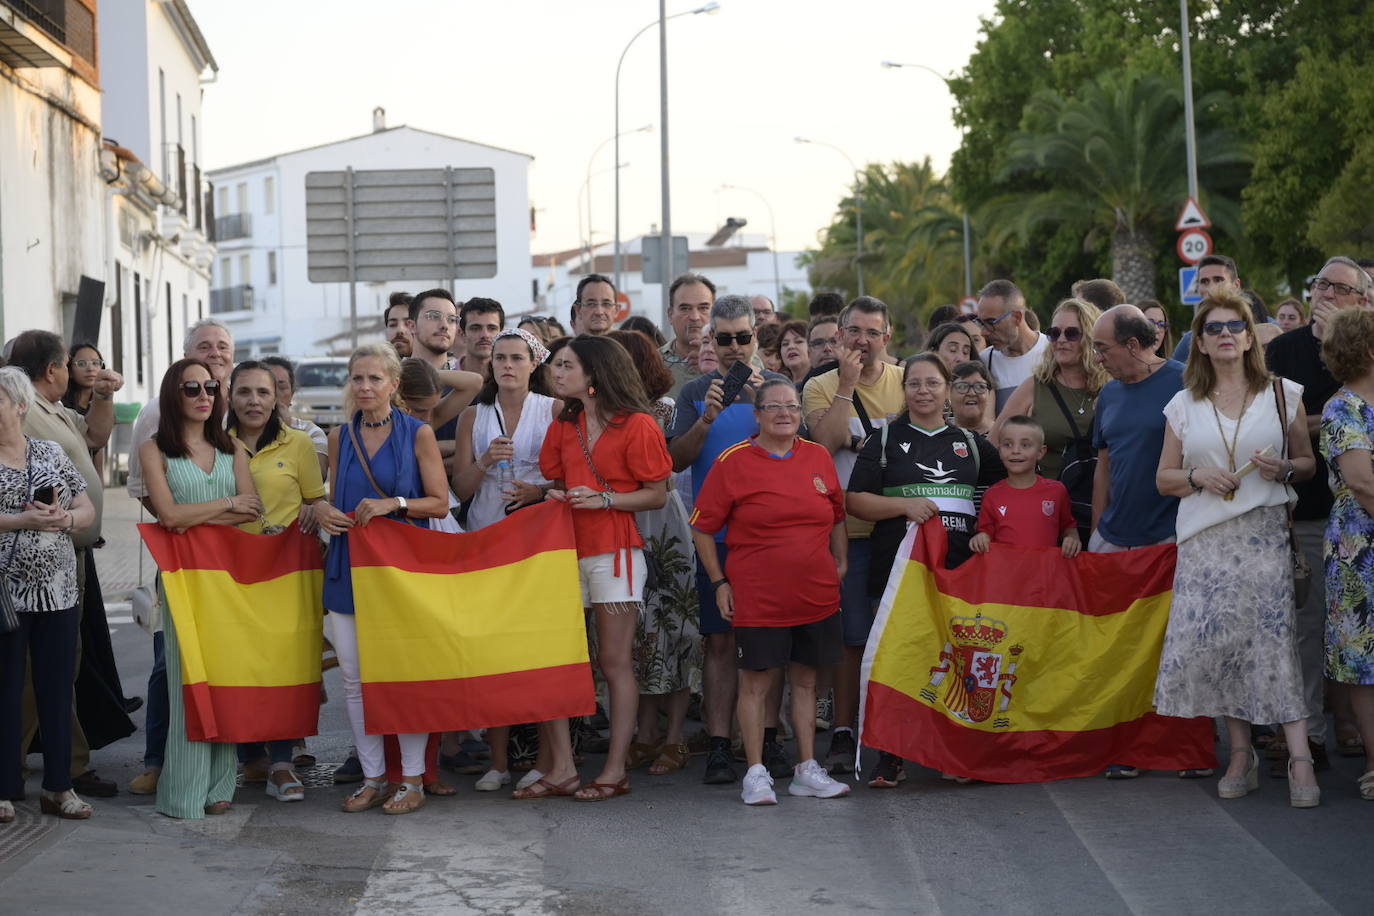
745, 267
157, 280
262, 289
52, 201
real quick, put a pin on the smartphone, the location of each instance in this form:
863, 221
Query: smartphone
735, 381
45, 495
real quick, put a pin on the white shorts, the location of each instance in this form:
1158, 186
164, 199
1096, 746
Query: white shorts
600, 584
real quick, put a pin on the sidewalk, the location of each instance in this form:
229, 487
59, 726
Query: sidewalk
118, 561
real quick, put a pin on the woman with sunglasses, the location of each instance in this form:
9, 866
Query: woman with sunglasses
917, 468
1062, 396
196, 474
1155, 314
778, 498
286, 474
1231, 647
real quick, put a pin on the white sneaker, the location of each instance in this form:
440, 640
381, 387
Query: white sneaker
492, 780
758, 787
529, 779
809, 779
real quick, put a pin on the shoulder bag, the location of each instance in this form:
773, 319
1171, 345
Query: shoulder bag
1302, 570
9, 614
1079, 466
652, 574
367, 469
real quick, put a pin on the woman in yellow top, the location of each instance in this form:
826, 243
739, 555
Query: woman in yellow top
287, 476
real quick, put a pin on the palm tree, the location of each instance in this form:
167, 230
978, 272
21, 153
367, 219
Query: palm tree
1112, 158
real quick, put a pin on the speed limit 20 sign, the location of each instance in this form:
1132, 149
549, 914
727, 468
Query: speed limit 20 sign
1194, 245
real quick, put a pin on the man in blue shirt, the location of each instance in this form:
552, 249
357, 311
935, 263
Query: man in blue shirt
703, 428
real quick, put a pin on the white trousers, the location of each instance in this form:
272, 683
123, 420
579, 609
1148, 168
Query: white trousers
371, 750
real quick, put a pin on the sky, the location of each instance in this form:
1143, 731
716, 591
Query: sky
538, 77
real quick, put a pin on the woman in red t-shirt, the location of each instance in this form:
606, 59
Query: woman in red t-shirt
607, 459
779, 500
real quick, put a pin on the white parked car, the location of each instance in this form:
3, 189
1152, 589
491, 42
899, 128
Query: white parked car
319, 390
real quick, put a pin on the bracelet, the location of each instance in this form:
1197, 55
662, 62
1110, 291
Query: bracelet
1190, 479
607, 500
229, 504
706, 421
104, 397
841, 397
718, 583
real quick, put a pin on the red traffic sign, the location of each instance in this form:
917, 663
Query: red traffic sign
1192, 217
1194, 245
968, 305
622, 303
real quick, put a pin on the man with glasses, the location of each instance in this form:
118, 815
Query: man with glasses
434, 327
1296, 355
764, 312
691, 296
397, 324
1017, 346
1214, 272
703, 427
844, 406
594, 309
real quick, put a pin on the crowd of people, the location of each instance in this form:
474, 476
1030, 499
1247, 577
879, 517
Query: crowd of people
738, 493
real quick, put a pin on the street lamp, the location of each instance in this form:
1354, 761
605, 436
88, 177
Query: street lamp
968, 247
647, 128
709, 8
858, 207
773, 233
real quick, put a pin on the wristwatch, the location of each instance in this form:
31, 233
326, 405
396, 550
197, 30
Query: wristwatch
1292, 472
402, 508
855, 443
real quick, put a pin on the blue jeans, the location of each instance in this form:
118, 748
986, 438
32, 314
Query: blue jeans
156, 712
276, 751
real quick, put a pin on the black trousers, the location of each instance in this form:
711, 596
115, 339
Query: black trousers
49, 640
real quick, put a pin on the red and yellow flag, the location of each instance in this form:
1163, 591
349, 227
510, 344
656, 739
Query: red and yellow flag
461, 631
1022, 666
247, 609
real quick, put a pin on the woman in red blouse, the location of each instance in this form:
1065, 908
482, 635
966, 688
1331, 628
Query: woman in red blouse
608, 460
779, 500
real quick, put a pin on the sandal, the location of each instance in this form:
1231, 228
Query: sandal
219, 807
641, 754
440, 789
1350, 746
293, 790
542, 788
671, 758
408, 799
66, 805
1365, 783
6, 811
367, 796
304, 758
603, 790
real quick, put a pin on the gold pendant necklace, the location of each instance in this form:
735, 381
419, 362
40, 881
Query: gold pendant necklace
1235, 437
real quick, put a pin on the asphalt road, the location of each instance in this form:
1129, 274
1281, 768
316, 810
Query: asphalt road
1155, 845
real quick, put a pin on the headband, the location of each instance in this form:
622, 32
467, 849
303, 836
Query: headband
537, 349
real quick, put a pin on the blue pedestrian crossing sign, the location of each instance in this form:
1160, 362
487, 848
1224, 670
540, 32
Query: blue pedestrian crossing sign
1187, 286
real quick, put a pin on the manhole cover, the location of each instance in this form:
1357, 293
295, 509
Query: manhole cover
28, 828
316, 777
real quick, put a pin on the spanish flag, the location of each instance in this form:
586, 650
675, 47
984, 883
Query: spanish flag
1022, 666
247, 609
461, 631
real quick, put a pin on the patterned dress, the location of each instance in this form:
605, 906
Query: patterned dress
194, 773
1348, 423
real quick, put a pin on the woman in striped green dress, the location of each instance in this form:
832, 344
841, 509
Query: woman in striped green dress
196, 475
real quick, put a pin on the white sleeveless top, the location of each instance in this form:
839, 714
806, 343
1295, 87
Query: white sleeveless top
488, 505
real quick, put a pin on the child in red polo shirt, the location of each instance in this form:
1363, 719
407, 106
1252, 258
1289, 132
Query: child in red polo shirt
1025, 509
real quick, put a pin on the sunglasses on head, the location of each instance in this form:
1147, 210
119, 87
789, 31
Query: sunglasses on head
193, 389
1213, 328
1069, 334
742, 338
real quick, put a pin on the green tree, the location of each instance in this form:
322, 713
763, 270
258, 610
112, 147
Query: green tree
1109, 162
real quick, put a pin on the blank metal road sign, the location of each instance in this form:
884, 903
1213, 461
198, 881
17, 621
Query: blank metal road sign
403, 224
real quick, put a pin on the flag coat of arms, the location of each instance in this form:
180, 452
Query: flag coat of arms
459, 631
1022, 665
247, 611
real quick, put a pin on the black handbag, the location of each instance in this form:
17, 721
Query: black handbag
653, 574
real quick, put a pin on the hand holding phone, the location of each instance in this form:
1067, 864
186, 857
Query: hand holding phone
735, 380
45, 495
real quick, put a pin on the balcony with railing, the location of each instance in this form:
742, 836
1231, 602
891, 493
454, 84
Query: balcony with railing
231, 299
233, 226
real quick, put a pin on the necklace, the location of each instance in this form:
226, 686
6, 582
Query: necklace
1235, 436
382, 422
1083, 398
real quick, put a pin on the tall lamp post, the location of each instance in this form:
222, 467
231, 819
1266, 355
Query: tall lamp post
708, 8
858, 207
773, 234
968, 246
647, 128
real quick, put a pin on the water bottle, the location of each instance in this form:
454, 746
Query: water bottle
505, 481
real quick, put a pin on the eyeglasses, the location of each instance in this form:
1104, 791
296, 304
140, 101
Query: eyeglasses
781, 408
870, 333
989, 322
974, 387
1069, 334
821, 343
1321, 284
743, 338
193, 389
1214, 328
436, 315
1160, 323
89, 363
916, 384
1101, 348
